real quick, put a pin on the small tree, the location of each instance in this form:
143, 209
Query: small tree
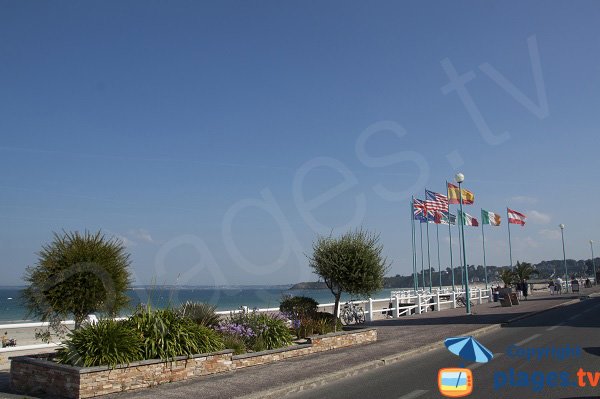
507, 276
351, 263
78, 274
523, 271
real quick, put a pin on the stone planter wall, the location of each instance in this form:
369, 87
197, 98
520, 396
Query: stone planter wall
36, 375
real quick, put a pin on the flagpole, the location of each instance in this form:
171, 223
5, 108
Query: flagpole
450, 235
437, 232
414, 249
509, 242
459, 179
422, 263
428, 254
462, 272
483, 240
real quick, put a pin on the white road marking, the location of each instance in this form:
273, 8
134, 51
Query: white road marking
534, 336
414, 394
476, 365
555, 327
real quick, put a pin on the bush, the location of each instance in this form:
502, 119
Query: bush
298, 307
200, 313
235, 342
107, 342
258, 331
165, 334
320, 323
324, 323
275, 332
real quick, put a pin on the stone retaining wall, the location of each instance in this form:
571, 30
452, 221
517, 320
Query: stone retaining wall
36, 375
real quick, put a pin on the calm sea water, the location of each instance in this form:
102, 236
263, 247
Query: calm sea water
12, 309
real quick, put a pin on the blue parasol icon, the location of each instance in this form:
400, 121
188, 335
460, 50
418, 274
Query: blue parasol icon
469, 349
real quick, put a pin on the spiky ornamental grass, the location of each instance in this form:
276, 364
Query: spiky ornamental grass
165, 334
106, 343
200, 313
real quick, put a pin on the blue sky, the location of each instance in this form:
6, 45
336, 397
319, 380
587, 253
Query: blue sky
218, 139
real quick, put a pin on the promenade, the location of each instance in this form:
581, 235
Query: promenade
397, 339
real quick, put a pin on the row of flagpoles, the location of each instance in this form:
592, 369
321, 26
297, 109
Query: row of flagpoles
435, 208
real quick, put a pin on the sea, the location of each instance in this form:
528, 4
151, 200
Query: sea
13, 310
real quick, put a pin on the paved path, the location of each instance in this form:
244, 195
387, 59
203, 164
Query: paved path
395, 336
571, 326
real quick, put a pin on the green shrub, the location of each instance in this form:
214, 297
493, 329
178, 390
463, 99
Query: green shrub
200, 313
165, 334
107, 342
324, 323
320, 323
298, 307
208, 340
275, 332
234, 342
260, 331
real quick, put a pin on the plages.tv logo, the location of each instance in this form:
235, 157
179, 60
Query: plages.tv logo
456, 382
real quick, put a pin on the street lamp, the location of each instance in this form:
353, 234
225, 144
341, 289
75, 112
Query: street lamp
459, 179
562, 234
593, 263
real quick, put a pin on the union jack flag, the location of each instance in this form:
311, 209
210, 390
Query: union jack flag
419, 210
435, 202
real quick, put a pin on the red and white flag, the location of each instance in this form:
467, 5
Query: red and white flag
515, 217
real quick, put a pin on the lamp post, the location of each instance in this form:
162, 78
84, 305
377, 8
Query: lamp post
459, 179
593, 263
562, 234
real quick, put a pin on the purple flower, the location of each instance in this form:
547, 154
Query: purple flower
235, 329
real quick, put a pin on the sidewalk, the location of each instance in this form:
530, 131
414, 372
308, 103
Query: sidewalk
396, 337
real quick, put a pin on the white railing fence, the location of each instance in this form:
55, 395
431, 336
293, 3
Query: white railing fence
400, 303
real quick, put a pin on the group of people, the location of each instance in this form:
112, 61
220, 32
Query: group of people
6, 342
556, 286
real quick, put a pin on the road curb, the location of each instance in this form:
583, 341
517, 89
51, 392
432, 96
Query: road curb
310, 383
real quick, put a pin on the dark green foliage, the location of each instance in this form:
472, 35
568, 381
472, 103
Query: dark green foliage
200, 313
165, 334
275, 333
324, 323
78, 274
351, 263
234, 342
318, 324
523, 271
298, 307
269, 331
507, 277
107, 342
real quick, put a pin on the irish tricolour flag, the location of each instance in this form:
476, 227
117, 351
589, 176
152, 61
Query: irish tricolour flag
490, 218
468, 220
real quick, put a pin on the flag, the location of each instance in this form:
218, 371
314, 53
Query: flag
469, 220
439, 217
444, 218
490, 218
515, 217
451, 219
419, 210
436, 201
454, 196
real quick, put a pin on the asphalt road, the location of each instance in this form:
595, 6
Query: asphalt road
574, 329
